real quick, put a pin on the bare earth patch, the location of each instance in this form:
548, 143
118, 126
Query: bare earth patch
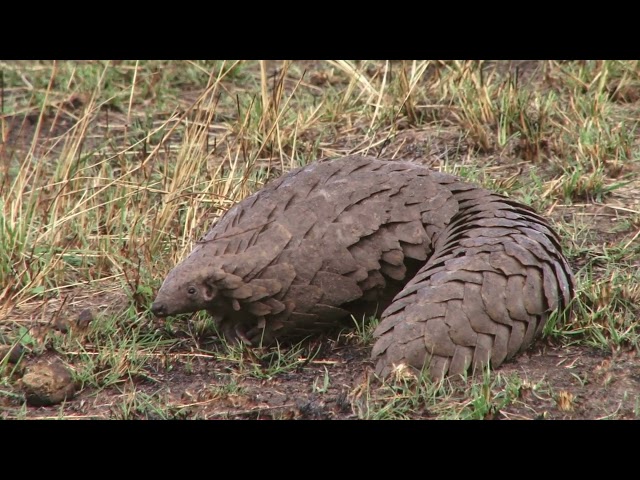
554, 382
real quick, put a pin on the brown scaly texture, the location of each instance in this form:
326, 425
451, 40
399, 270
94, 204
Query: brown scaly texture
462, 276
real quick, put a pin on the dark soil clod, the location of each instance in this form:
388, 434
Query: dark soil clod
47, 384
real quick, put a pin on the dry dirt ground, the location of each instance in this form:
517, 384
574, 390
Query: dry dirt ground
556, 382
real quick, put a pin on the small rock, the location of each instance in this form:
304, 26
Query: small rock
81, 323
61, 324
85, 318
13, 351
47, 384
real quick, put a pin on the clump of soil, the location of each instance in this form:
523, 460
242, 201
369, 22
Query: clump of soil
47, 383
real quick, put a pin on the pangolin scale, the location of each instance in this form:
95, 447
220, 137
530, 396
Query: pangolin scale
461, 276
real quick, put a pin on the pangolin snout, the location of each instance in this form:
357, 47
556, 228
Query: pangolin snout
159, 309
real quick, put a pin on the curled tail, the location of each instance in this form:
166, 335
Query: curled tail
496, 274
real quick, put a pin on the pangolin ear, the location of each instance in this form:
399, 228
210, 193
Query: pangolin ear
210, 291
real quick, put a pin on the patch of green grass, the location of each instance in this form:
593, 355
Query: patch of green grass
605, 310
136, 405
229, 387
483, 396
115, 350
267, 363
361, 330
321, 385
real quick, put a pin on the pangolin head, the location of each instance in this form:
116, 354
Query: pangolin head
188, 288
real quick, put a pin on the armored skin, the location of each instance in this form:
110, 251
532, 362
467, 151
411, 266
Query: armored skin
461, 276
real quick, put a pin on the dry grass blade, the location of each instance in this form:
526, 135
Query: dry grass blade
356, 78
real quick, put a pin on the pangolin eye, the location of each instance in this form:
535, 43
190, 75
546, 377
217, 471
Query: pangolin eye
191, 291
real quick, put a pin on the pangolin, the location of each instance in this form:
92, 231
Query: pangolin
460, 276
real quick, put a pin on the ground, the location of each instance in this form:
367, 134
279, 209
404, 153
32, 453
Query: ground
110, 170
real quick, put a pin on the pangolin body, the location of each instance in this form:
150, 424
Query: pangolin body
462, 276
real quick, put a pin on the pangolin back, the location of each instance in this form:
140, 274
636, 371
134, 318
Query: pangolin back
462, 276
